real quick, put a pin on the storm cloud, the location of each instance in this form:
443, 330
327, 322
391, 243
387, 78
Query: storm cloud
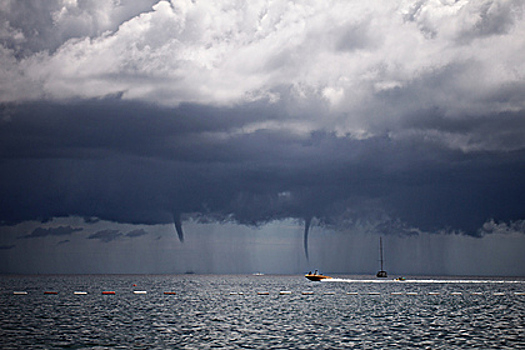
112, 160
106, 236
396, 118
136, 233
52, 231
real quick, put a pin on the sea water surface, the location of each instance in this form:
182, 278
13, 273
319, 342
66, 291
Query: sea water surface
259, 312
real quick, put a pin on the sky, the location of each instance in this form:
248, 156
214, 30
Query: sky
269, 136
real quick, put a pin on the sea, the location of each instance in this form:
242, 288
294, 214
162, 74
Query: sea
260, 312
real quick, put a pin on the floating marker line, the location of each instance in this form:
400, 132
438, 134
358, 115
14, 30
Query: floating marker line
288, 292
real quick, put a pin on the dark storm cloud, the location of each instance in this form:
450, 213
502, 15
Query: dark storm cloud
52, 231
111, 235
136, 233
136, 163
106, 236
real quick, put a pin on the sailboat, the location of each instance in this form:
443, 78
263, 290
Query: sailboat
381, 273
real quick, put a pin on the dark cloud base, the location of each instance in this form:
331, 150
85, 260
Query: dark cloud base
106, 236
40, 232
130, 162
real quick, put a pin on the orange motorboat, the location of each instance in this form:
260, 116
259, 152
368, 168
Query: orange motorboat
316, 276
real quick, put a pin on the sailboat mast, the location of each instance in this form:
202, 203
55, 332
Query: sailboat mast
381, 252
381, 273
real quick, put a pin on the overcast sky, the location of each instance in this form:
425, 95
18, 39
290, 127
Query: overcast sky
210, 136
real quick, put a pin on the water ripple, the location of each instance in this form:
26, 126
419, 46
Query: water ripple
203, 314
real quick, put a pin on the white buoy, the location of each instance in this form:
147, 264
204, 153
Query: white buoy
498, 293
396, 293
477, 293
411, 293
20, 293
433, 293
456, 293
519, 293
307, 292
352, 293
140, 292
373, 293
79, 293
263, 293
285, 292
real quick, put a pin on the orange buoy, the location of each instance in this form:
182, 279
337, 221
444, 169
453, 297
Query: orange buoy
50, 292
108, 292
170, 293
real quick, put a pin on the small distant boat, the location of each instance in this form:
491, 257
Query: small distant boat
400, 279
381, 273
258, 274
316, 276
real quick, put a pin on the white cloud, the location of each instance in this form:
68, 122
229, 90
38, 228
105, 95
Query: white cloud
342, 56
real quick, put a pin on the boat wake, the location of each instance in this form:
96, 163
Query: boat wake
424, 281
